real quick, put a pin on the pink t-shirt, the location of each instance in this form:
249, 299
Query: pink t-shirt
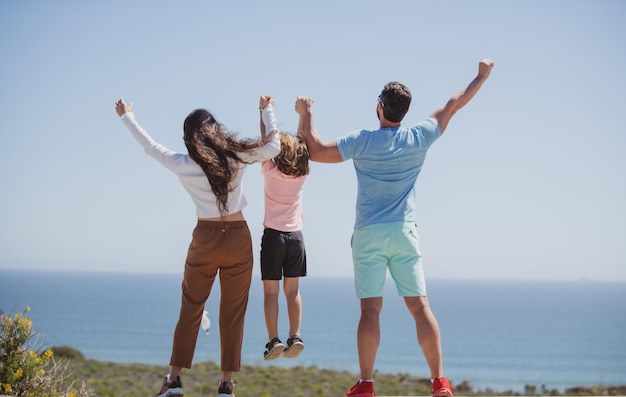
283, 199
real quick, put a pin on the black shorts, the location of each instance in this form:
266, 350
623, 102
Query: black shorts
282, 253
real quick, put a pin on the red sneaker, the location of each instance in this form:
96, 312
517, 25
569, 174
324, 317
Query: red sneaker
441, 388
362, 389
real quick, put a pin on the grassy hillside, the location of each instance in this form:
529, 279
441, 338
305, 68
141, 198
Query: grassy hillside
109, 379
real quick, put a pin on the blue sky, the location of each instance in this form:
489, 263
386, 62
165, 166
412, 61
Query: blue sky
528, 182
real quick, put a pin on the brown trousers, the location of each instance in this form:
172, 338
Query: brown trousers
224, 248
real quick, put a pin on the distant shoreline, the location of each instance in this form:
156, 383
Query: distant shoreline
179, 272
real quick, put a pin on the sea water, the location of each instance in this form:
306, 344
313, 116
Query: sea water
499, 335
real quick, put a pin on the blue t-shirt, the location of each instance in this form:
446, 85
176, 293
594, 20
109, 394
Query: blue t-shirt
387, 162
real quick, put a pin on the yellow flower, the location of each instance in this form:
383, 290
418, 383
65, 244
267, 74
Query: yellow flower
7, 388
27, 322
19, 373
32, 354
41, 372
48, 353
72, 394
27, 309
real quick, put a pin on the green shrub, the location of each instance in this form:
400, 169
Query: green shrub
67, 352
25, 368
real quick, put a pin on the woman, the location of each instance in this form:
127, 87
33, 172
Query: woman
212, 174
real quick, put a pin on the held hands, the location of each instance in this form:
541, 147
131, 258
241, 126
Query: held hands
121, 107
304, 105
265, 100
484, 68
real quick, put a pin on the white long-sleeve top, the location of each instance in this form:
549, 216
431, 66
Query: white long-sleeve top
191, 176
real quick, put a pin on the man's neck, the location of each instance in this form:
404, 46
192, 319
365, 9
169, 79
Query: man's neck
388, 124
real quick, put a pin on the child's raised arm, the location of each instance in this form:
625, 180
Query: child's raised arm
263, 102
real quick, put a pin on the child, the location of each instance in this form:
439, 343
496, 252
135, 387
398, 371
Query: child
282, 244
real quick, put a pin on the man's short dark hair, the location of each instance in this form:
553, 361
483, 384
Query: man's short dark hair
396, 99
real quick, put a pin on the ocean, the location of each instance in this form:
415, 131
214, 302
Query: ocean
499, 335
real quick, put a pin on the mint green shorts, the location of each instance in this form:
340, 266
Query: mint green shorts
382, 246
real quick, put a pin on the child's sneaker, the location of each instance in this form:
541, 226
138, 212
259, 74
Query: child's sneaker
294, 346
441, 388
225, 389
362, 389
273, 349
171, 388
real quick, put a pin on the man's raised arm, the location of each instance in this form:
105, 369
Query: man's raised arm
461, 98
318, 150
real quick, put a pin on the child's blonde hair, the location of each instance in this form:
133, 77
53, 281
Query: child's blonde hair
293, 158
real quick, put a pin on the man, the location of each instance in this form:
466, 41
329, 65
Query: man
387, 162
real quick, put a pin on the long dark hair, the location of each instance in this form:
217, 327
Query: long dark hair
215, 148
